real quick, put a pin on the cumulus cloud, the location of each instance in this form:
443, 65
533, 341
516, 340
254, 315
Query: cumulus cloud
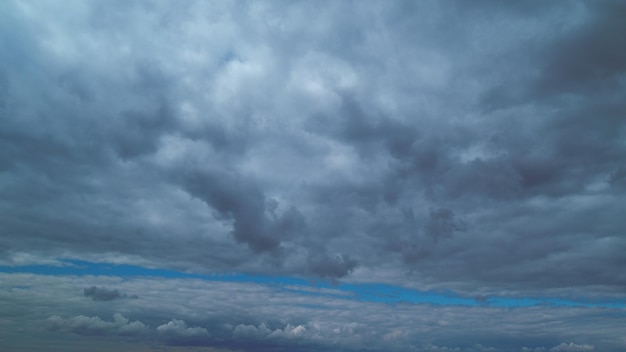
572, 347
176, 332
536, 349
261, 331
83, 325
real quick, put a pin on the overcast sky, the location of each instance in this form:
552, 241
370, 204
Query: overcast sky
274, 159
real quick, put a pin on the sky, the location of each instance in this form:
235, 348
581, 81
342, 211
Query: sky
226, 176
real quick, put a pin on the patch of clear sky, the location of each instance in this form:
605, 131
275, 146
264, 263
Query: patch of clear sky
365, 292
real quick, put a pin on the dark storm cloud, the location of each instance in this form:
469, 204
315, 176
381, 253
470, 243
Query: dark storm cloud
234, 197
591, 58
475, 147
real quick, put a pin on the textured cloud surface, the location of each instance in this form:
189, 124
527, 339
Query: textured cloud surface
467, 147
228, 315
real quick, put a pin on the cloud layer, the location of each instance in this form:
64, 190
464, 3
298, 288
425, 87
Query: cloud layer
248, 316
471, 147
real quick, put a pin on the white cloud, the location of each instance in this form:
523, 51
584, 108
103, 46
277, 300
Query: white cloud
83, 325
572, 347
178, 328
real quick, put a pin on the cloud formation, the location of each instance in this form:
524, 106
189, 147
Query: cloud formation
176, 332
369, 143
473, 147
572, 347
102, 294
228, 315
83, 325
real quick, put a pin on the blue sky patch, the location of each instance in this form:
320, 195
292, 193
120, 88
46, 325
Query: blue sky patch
365, 292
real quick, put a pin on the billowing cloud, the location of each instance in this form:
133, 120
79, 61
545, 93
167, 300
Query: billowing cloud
466, 147
280, 148
83, 325
572, 347
176, 332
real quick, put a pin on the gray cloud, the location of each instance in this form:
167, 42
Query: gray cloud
228, 315
326, 267
233, 197
102, 294
442, 224
474, 147
142, 155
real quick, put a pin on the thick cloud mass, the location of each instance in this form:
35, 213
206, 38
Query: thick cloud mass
221, 137
476, 147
